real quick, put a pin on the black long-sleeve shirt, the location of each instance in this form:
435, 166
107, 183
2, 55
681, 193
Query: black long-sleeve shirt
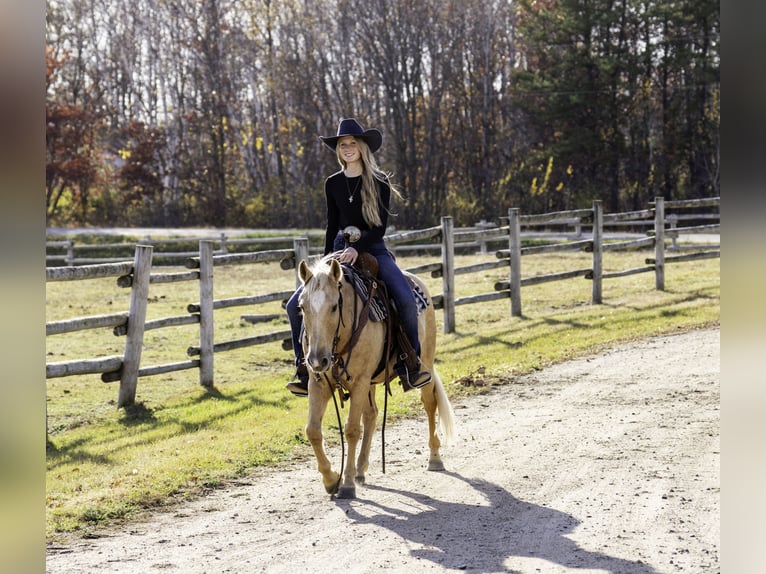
342, 213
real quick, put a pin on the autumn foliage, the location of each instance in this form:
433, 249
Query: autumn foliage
207, 112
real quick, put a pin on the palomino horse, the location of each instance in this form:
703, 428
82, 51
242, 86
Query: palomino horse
330, 314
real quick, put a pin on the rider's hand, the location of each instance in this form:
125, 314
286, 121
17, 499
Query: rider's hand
348, 255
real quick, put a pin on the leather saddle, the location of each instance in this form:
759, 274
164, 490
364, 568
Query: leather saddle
363, 275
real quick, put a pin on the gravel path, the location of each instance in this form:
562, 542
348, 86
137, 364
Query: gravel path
608, 463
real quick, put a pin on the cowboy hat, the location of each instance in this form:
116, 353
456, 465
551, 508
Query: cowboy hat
350, 127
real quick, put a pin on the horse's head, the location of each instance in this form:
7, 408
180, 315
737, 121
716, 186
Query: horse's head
321, 304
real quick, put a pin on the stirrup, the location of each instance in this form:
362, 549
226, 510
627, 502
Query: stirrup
412, 379
300, 385
298, 388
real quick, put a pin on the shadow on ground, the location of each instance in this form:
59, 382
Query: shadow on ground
502, 528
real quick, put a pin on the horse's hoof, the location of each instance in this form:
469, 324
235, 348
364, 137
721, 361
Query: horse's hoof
359, 479
332, 488
436, 465
331, 482
346, 492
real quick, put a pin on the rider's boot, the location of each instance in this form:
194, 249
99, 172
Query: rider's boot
299, 386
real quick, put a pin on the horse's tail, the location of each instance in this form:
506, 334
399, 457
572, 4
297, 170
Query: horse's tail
446, 414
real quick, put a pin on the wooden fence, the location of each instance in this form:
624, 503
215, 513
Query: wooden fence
137, 275
68, 252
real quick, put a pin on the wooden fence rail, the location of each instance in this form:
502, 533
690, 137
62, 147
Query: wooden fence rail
137, 276
66, 252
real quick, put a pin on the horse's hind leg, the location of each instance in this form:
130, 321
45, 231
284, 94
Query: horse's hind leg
428, 397
369, 421
427, 326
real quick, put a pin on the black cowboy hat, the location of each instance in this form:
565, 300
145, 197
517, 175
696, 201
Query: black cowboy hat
350, 127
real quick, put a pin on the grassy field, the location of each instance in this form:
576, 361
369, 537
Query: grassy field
106, 464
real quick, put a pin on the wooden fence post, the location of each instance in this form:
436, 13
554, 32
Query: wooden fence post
598, 228
659, 243
139, 293
448, 273
672, 220
206, 355
514, 243
301, 248
70, 252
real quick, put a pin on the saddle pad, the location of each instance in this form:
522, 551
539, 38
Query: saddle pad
378, 310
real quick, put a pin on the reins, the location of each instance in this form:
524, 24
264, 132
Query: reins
387, 390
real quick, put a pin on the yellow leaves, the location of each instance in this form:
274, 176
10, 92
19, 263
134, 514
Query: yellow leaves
125, 153
542, 188
260, 144
538, 187
548, 170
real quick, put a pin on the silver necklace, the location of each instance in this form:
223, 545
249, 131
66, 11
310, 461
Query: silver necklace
350, 191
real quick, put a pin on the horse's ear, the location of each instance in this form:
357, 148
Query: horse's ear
304, 272
336, 273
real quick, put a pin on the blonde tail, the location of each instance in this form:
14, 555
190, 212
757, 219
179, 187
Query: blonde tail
446, 414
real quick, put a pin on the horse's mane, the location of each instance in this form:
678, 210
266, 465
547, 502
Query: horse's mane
322, 265
319, 269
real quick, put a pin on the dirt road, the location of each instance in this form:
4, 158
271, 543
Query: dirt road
605, 464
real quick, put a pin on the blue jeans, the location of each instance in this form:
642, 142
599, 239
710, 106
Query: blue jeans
398, 289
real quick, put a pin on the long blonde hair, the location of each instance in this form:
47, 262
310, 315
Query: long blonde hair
370, 173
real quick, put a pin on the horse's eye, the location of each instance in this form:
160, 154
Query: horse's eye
334, 308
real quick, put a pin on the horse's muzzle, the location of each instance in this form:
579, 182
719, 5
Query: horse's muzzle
319, 363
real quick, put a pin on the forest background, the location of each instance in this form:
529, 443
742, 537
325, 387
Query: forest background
177, 113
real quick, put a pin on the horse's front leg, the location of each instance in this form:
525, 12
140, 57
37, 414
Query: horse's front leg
319, 396
369, 420
353, 432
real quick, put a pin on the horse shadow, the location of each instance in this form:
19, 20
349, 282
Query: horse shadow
502, 528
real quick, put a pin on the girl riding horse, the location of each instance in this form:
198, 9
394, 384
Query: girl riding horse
359, 195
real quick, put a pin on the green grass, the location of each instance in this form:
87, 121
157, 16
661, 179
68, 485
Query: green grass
106, 464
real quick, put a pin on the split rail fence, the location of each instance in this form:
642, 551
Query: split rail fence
138, 275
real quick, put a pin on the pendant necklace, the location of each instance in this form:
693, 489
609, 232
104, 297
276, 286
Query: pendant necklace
350, 191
